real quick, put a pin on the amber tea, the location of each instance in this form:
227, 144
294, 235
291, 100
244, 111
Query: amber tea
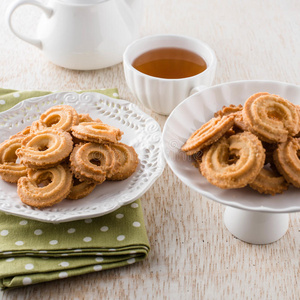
170, 63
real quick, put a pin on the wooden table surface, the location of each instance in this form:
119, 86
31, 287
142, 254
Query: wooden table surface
193, 255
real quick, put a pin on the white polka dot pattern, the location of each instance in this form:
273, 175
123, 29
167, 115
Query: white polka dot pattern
4, 232
136, 224
10, 259
121, 238
87, 239
131, 260
99, 259
38, 232
63, 275
104, 228
97, 267
29, 266
80, 245
26, 280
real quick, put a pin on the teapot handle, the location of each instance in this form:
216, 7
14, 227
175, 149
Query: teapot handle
48, 11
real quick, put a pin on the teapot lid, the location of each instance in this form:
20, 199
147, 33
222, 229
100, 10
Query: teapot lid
83, 1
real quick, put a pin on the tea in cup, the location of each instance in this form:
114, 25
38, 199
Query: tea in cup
163, 70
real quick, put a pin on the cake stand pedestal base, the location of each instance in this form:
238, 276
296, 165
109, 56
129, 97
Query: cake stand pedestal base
256, 227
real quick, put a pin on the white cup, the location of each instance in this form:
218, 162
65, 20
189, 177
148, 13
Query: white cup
159, 94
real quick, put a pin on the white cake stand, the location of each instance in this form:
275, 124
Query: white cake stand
250, 216
256, 227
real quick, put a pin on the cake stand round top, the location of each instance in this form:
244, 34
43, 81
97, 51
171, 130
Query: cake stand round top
198, 109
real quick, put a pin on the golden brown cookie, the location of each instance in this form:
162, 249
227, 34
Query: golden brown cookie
271, 117
44, 188
22, 133
287, 160
233, 162
10, 170
207, 134
269, 182
127, 160
57, 117
92, 162
87, 118
228, 110
239, 122
80, 189
45, 149
96, 132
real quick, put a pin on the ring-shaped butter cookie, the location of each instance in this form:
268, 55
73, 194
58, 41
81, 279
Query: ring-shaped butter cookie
207, 134
92, 162
271, 117
287, 160
10, 170
80, 189
233, 162
45, 149
44, 188
57, 117
96, 132
128, 160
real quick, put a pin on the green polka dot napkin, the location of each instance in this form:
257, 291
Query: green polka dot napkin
33, 252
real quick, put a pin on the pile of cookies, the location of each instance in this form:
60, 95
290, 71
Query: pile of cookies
254, 145
62, 155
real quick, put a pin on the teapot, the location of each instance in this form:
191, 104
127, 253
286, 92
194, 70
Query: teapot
83, 34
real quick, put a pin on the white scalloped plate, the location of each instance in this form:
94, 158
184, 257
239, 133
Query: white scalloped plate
198, 109
140, 131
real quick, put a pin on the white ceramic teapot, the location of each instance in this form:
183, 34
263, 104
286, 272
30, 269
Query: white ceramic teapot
83, 34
